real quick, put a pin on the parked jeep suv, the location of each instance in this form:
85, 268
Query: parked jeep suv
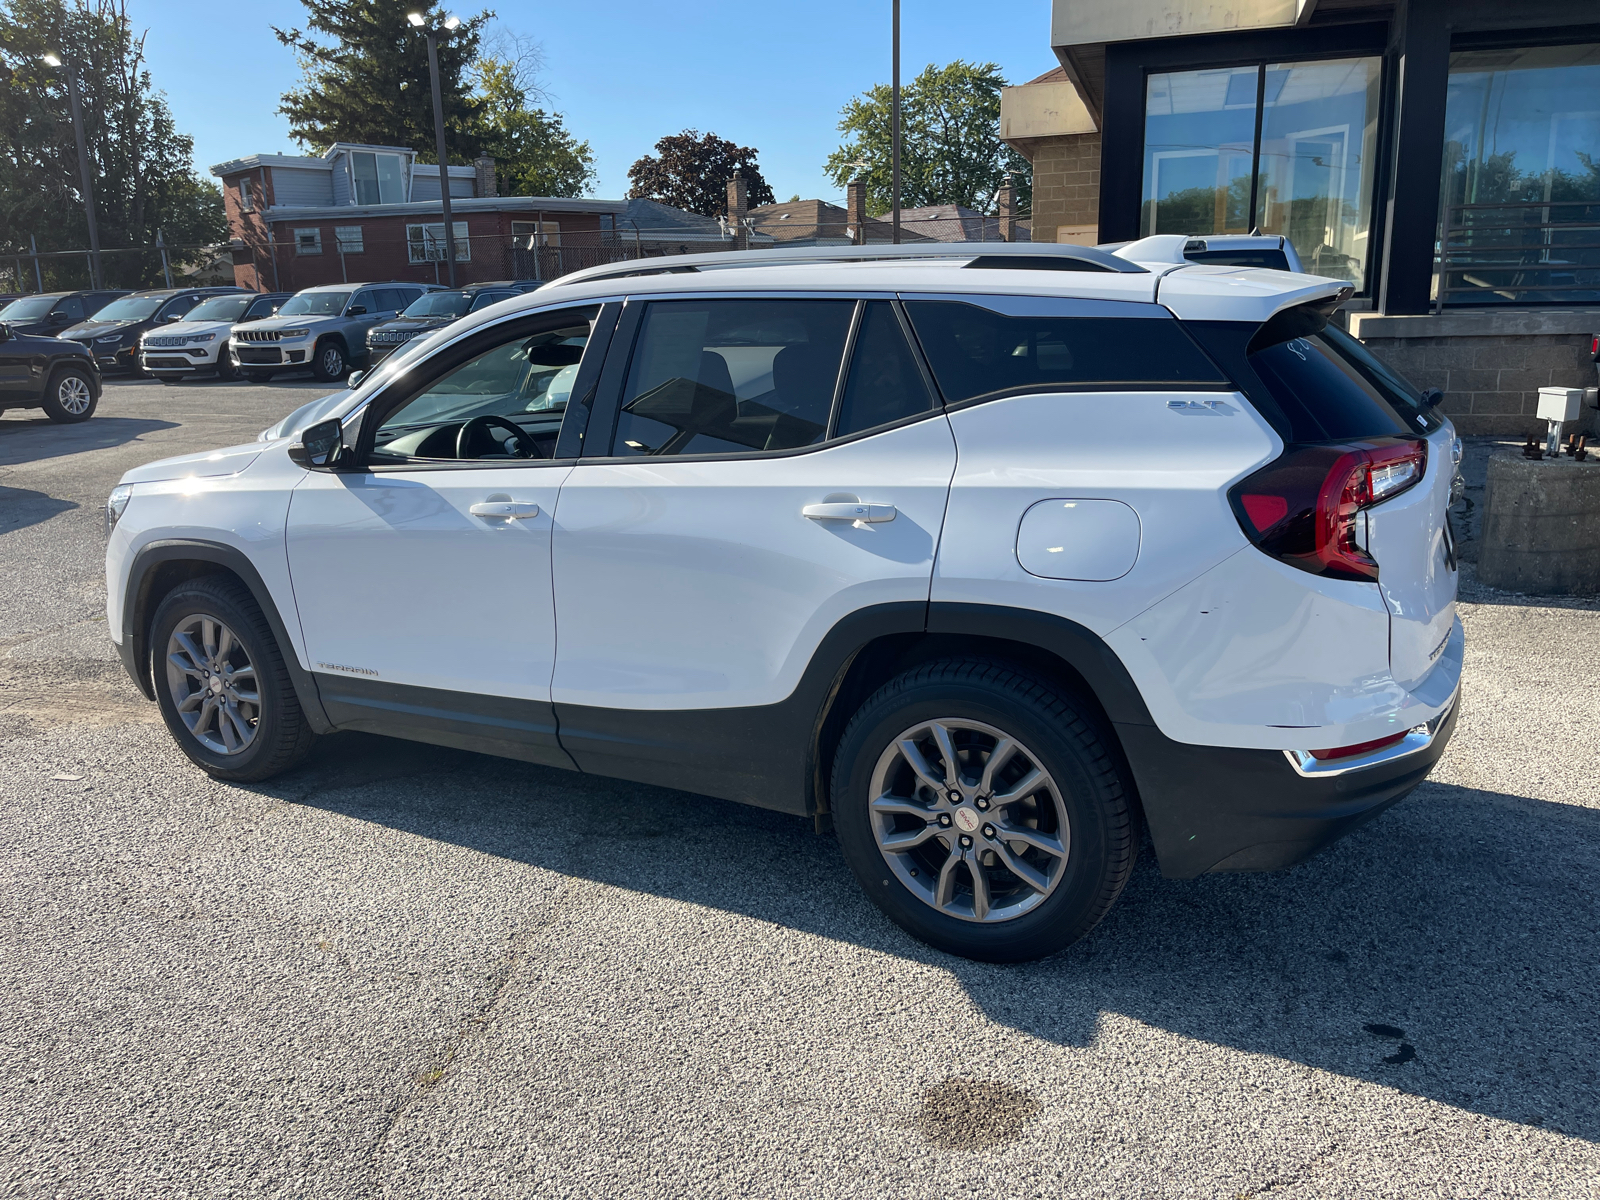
198, 345
47, 314
58, 376
986, 560
431, 311
112, 335
322, 328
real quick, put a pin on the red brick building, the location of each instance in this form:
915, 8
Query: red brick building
373, 212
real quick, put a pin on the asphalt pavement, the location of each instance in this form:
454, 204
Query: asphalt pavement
413, 972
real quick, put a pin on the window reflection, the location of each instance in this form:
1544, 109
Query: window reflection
1521, 187
1198, 144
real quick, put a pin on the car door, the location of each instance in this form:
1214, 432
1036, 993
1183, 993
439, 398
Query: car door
740, 496
422, 576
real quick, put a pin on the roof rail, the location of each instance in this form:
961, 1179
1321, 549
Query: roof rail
1091, 258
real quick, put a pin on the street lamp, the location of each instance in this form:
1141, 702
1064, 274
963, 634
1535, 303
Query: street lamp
450, 23
96, 275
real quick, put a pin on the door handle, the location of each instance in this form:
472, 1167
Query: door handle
510, 510
867, 514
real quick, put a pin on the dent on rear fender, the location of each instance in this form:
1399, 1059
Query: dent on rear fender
1258, 654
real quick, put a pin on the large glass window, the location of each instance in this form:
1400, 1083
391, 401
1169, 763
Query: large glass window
1521, 192
425, 243
377, 178
730, 376
1286, 148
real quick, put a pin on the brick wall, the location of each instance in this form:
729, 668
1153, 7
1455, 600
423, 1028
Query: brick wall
1489, 365
1066, 183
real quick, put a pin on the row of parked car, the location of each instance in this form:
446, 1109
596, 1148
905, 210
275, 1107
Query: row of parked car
61, 342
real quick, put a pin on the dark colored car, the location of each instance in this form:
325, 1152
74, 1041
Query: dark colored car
112, 334
49, 373
49, 313
431, 311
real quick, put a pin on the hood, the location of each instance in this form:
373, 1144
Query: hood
94, 329
207, 464
293, 322
414, 323
307, 414
182, 328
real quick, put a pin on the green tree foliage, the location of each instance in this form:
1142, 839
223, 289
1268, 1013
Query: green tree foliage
355, 56
534, 153
142, 168
691, 172
950, 149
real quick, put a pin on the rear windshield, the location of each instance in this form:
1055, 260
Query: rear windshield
1318, 387
975, 351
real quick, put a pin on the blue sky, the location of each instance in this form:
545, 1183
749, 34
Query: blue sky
625, 72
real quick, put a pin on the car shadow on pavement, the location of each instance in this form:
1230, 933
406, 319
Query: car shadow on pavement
20, 508
1449, 949
30, 439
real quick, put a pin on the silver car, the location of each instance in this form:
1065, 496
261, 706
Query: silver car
322, 328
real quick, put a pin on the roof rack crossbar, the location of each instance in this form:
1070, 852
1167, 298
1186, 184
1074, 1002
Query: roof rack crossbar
791, 255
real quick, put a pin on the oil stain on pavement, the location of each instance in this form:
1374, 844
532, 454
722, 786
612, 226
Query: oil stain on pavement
974, 1114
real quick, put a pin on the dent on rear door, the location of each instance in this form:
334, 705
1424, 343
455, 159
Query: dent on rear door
1416, 566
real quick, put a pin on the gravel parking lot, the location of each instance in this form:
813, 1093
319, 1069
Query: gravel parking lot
407, 971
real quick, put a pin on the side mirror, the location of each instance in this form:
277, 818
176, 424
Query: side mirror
5, 332
171, 318
355, 310
320, 446
1431, 398
355, 380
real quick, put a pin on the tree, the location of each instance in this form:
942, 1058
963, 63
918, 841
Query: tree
950, 151
692, 172
534, 153
366, 77
142, 167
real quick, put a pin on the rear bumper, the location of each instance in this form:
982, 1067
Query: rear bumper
1220, 809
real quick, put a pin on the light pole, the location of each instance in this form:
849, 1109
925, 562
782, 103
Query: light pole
450, 22
96, 274
894, 186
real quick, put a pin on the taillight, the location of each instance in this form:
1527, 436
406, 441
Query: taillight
1339, 752
1304, 507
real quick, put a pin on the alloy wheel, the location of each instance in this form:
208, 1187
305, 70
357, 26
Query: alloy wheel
213, 685
332, 362
73, 394
969, 820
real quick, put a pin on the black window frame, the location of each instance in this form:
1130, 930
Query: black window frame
403, 388
601, 419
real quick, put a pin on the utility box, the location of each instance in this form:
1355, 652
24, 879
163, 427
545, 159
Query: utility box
1560, 404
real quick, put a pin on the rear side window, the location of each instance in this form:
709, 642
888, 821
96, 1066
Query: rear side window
977, 352
885, 383
731, 376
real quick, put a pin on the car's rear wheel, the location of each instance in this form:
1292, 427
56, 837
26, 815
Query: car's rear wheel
70, 396
982, 811
221, 682
329, 364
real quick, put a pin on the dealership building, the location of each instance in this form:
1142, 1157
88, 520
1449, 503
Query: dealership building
1441, 155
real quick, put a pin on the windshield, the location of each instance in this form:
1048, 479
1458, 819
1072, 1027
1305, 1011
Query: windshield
221, 308
29, 309
129, 308
315, 304
439, 304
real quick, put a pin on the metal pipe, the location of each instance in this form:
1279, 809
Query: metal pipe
96, 275
444, 164
894, 198
38, 276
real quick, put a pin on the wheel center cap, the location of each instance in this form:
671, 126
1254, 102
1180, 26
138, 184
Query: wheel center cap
216, 686
967, 820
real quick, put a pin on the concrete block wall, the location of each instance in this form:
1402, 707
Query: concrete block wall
1489, 365
1066, 183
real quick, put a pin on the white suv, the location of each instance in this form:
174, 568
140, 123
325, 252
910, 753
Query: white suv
986, 560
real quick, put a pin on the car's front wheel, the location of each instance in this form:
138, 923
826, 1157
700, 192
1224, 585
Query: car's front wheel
982, 812
329, 364
226, 371
70, 396
221, 683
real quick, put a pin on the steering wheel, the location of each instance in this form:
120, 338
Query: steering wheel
469, 432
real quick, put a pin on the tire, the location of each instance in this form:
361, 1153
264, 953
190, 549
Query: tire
260, 739
259, 376
1082, 836
226, 371
70, 396
171, 380
328, 362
